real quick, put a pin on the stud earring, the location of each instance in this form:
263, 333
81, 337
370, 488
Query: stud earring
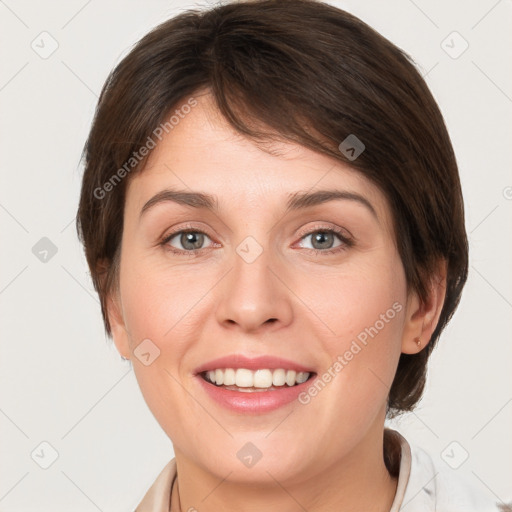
418, 341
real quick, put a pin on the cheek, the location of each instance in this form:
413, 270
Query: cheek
149, 315
164, 306
159, 303
361, 296
364, 312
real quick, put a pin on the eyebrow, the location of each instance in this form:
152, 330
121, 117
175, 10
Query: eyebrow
296, 201
192, 199
301, 200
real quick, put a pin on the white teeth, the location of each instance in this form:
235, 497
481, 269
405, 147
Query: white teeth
243, 378
279, 377
263, 378
290, 377
229, 377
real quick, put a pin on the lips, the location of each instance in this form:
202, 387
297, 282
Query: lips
252, 391
236, 361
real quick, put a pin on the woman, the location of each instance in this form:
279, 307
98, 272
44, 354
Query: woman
272, 215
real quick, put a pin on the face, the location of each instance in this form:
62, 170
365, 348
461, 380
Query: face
285, 287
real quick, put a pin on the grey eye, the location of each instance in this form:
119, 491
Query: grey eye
189, 240
322, 239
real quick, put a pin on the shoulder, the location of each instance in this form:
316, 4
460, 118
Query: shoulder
434, 486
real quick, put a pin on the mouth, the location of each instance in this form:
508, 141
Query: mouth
253, 385
245, 380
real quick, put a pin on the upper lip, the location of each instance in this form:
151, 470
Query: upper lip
251, 363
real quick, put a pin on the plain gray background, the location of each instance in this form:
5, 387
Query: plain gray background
62, 383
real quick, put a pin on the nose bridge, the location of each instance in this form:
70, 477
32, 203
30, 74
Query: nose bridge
251, 295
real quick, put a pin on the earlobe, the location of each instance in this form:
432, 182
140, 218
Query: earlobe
422, 316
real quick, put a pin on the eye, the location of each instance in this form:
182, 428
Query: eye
190, 241
327, 240
323, 240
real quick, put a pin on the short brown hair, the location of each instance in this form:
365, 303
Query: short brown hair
299, 71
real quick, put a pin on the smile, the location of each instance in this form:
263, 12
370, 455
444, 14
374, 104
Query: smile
253, 385
245, 380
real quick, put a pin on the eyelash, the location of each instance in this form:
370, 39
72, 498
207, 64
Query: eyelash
346, 241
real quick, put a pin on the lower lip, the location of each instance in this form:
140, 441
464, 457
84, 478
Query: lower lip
256, 402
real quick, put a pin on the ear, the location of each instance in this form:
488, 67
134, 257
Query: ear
421, 317
114, 311
117, 325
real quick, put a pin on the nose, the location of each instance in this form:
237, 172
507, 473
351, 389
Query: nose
252, 297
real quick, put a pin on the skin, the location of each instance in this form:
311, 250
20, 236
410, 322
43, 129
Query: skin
327, 454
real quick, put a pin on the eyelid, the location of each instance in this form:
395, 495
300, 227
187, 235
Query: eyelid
342, 232
188, 227
344, 236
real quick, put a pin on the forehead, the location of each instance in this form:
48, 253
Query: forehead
204, 153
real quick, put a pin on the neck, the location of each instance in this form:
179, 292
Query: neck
358, 482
